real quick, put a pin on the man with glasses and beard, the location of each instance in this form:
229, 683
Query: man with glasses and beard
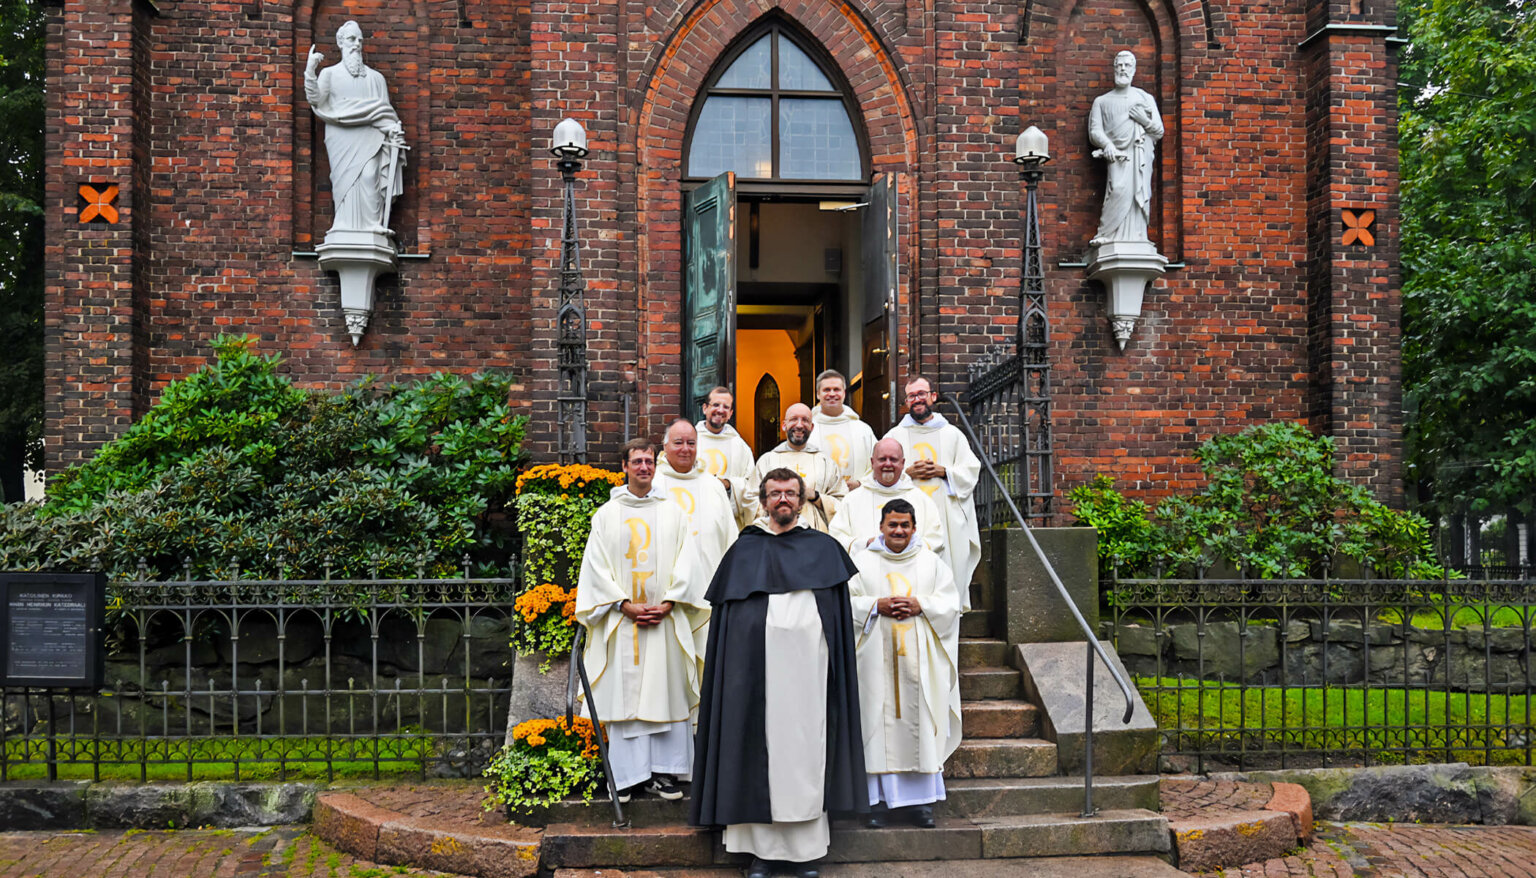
779, 741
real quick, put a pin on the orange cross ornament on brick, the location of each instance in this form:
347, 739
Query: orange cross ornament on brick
1357, 227
98, 198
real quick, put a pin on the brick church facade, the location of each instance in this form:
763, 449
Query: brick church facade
187, 194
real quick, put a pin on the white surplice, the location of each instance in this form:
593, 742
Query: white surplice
645, 681
820, 474
909, 680
938, 441
726, 455
847, 440
858, 516
709, 510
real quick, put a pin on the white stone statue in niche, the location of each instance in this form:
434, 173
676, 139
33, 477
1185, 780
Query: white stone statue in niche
363, 136
1125, 126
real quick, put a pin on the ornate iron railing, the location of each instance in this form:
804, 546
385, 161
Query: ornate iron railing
1298, 673
1010, 407
273, 678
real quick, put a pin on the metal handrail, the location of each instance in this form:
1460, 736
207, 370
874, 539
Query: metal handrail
578, 669
1093, 641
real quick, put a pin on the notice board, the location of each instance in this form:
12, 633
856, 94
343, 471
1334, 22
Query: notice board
51, 629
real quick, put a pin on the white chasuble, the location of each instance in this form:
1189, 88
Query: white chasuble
858, 516
847, 440
726, 455
795, 715
944, 444
640, 549
711, 515
909, 679
820, 475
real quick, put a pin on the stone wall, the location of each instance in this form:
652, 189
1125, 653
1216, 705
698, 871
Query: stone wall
1337, 652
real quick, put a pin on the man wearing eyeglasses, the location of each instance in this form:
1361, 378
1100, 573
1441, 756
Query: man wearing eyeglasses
941, 463
779, 742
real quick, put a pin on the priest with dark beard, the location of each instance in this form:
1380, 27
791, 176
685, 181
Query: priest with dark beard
779, 741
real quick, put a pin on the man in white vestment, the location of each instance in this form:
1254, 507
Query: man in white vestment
822, 481
726, 455
641, 599
907, 609
779, 740
838, 432
711, 515
857, 524
363, 137
942, 464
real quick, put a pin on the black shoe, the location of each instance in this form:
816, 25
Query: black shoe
922, 817
759, 868
875, 819
807, 870
629, 793
664, 786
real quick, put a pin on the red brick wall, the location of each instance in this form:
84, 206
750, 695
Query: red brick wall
1263, 315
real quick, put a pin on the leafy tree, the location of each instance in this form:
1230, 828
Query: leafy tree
1468, 149
21, 241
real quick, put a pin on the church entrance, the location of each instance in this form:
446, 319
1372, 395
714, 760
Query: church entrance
789, 241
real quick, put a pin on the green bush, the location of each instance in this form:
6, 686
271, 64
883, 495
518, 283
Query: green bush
1271, 507
236, 467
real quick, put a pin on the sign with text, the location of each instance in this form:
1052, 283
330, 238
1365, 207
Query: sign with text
50, 629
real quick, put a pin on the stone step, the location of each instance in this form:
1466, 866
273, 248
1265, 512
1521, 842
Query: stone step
1126, 831
1005, 796
1002, 757
977, 652
990, 682
999, 718
976, 623
1036, 867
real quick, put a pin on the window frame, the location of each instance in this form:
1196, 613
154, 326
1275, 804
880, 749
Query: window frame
775, 31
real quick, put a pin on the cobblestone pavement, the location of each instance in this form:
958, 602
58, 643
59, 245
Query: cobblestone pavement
285, 852
1182, 798
1405, 850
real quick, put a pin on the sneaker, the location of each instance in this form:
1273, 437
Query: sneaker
629, 793
664, 786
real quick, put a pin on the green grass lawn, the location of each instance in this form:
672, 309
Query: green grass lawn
1397, 725
224, 758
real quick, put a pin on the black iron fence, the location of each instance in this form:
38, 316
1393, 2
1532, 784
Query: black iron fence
1300, 673
1010, 402
254, 679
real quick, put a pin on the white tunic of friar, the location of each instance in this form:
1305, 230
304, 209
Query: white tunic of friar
645, 681
909, 680
711, 515
820, 475
858, 516
726, 455
954, 494
847, 440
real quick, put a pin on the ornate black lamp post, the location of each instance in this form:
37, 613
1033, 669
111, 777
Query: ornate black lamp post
570, 147
1031, 152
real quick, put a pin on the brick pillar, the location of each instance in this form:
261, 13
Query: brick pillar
93, 115
1354, 293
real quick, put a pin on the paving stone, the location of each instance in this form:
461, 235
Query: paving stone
452, 846
1232, 839
1294, 800
351, 823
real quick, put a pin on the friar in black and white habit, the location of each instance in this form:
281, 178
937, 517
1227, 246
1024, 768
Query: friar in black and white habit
779, 741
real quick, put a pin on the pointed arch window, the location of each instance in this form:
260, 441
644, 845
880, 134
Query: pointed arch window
772, 112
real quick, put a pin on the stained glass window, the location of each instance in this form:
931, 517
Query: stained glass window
774, 114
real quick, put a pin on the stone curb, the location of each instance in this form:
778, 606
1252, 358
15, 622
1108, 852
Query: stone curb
67, 805
1293, 799
390, 838
1232, 839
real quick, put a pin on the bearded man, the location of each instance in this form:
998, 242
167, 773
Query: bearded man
857, 524
908, 609
824, 484
363, 136
641, 599
710, 513
726, 455
838, 431
779, 740
942, 464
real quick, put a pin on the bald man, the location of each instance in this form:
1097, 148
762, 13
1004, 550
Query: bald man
857, 524
683, 478
824, 483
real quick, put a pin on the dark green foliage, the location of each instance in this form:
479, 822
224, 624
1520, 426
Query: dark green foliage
1271, 507
21, 241
1468, 145
236, 466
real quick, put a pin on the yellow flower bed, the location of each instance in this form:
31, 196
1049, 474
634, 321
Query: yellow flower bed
537, 732
577, 478
541, 599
